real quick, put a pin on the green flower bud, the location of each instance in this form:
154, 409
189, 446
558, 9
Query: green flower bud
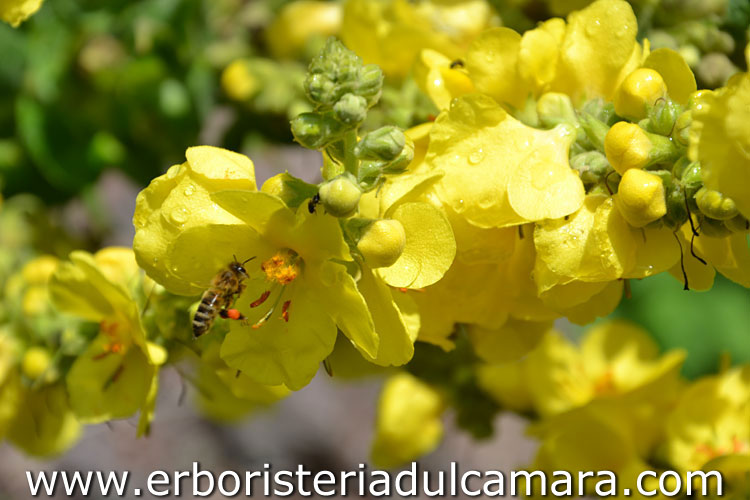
677, 213
402, 161
554, 108
385, 143
350, 109
681, 130
315, 131
662, 116
337, 71
715, 205
680, 166
291, 190
340, 196
369, 174
738, 224
600, 109
592, 166
692, 181
596, 130
382, 243
712, 227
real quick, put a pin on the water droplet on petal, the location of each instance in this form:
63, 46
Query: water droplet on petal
189, 190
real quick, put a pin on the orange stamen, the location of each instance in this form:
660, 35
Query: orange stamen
285, 310
262, 299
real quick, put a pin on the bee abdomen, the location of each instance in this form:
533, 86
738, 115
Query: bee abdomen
204, 316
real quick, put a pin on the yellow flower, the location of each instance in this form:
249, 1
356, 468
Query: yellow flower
638, 92
301, 22
408, 423
14, 12
440, 78
498, 171
114, 376
711, 420
391, 33
720, 140
586, 58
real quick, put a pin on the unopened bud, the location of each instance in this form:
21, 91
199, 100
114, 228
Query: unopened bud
640, 197
402, 161
350, 109
663, 115
382, 243
36, 361
315, 131
715, 205
638, 92
629, 146
340, 196
592, 166
385, 143
555, 108
595, 129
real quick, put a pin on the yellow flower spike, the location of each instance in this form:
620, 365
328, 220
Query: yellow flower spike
498, 171
382, 243
510, 342
677, 75
180, 200
238, 82
14, 12
436, 76
599, 49
638, 92
408, 424
720, 140
298, 23
422, 262
627, 146
640, 197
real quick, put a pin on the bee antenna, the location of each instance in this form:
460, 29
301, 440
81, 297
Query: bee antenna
248, 260
234, 257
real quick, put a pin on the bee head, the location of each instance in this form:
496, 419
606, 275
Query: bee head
239, 267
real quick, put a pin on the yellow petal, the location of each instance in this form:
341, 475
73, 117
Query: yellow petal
492, 62
429, 250
675, 71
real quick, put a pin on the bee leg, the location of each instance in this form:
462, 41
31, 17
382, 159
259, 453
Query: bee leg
231, 314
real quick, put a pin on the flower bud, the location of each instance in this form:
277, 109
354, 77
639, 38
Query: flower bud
681, 130
314, 130
385, 143
638, 92
629, 146
402, 161
238, 82
340, 196
350, 109
715, 205
382, 243
592, 166
693, 181
337, 71
554, 108
36, 361
662, 116
291, 190
595, 129
677, 213
640, 197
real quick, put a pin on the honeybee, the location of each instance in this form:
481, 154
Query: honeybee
227, 284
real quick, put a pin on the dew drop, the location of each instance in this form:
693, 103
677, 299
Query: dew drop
476, 156
189, 190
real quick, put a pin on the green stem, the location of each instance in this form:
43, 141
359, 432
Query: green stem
351, 164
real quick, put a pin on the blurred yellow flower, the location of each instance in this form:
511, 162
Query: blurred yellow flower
14, 12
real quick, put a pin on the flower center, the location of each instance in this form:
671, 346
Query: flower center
111, 330
280, 270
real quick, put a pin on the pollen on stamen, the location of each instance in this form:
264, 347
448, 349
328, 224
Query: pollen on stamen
261, 299
285, 310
